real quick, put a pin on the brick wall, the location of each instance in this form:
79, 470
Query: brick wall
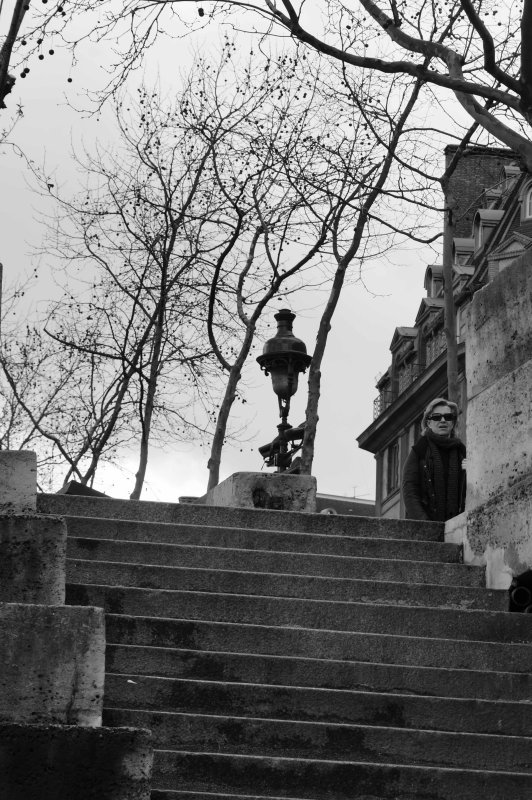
478, 169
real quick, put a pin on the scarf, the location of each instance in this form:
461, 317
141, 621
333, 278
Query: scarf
446, 475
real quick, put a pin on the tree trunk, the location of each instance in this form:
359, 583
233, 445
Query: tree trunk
149, 404
314, 378
235, 373
453, 393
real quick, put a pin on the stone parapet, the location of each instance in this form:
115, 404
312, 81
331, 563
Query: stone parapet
32, 559
499, 420
281, 491
53, 664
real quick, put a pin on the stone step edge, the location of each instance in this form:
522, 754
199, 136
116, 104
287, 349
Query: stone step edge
197, 527
287, 575
148, 507
445, 545
294, 688
294, 601
259, 656
376, 765
334, 632
189, 793
404, 732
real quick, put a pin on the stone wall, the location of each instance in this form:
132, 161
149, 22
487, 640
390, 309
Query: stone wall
499, 422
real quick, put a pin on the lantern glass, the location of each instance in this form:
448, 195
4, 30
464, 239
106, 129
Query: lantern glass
284, 378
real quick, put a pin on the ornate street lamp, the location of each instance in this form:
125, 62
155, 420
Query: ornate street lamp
283, 357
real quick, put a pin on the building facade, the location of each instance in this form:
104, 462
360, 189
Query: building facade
493, 226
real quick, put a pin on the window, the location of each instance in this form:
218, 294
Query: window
435, 344
527, 203
392, 478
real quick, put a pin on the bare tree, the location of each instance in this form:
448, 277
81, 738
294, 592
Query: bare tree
478, 51
16, 17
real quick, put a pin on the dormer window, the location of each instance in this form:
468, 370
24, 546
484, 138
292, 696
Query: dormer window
478, 233
462, 249
485, 222
527, 203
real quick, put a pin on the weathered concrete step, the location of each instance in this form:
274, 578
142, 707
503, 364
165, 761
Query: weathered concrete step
313, 672
294, 739
414, 571
184, 513
318, 644
446, 623
250, 539
311, 779
268, 585
149, 693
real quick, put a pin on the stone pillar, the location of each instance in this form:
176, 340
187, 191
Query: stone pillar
53, 666
18, 482
277, 490
499, 424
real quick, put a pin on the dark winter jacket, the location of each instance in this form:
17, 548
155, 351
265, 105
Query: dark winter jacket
418, 485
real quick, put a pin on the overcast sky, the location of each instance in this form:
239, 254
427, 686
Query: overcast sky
358, 348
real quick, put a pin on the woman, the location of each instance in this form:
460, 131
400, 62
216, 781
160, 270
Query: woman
433, 475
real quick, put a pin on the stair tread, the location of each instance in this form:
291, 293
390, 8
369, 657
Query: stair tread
279, 585
319, 705
266, 561
338, 615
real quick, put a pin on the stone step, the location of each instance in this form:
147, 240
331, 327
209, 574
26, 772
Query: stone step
133, 692
185, 513
317, 673
232, 638
369, 568
309, 779
264, 540
447, 623
266, 584
293, 739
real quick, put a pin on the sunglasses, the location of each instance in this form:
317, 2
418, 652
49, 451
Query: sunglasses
439, 417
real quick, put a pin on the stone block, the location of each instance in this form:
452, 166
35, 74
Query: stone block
18, 482
498, 328
265, 490
499, 433
53, 663
500, 532
49, 762
32, 559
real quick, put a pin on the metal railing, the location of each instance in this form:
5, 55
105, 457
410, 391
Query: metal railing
382, 402
405, 378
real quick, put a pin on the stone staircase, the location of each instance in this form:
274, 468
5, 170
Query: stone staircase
287, 655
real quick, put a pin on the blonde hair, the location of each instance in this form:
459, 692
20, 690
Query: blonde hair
439, 401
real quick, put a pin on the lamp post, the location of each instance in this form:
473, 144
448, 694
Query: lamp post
284, 357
